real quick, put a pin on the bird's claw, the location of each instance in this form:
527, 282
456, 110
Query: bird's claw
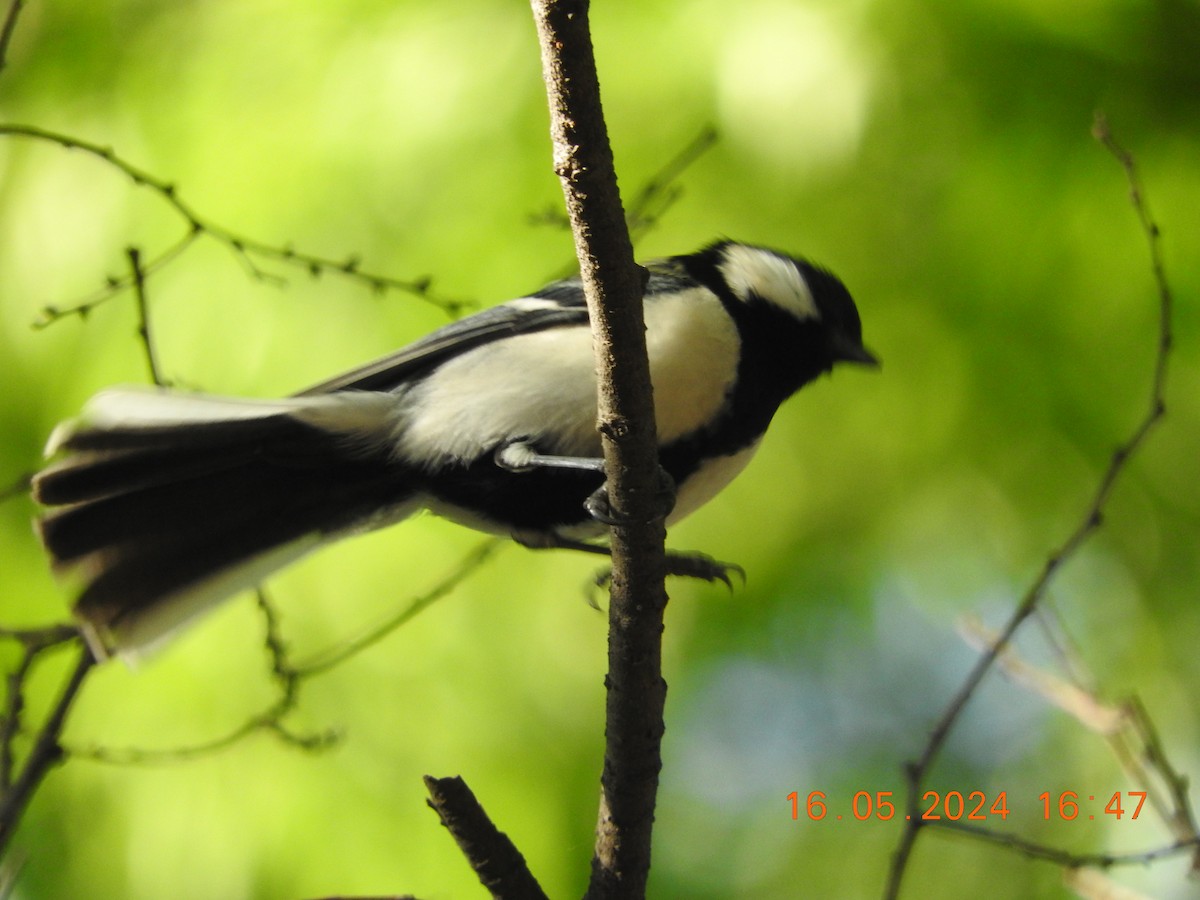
683, 565
599, 506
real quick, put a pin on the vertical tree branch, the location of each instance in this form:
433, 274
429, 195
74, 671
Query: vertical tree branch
613, 283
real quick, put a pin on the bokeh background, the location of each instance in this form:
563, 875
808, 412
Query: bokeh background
935, 155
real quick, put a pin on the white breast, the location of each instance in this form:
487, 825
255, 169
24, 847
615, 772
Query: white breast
693, 347
708, 481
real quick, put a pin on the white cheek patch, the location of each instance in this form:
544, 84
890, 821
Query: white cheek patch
753, 271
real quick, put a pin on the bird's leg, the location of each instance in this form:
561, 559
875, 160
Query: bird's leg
520, 456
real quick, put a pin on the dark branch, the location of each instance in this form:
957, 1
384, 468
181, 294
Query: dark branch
613, 283
498, 863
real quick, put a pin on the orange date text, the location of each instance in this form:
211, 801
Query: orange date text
975, 806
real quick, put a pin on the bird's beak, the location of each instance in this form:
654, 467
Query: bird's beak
852, 351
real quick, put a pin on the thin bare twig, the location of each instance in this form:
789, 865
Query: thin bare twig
1145, 753
338, 655
662, 190
1150, 231
269, 719
139, 293
42, 638
266, 721
19, 783
1091, 520
7, 30
46, 753
291, 677
246, 249
34, 643
114, 285
1128, 730
1067, 858
657, 194
18, 487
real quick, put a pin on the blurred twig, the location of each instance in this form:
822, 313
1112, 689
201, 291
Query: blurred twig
1066, 858
1141, 751
1150, 231
1127, 728
337, 655
33, 642
139, 293
18, 487
1091, 520
270, 719
290, 678
47, 751
657, 194
247, 250
7, 29
662, 190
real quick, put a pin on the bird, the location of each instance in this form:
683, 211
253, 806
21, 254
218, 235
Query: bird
158, 502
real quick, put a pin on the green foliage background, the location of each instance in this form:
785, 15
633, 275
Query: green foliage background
936, 155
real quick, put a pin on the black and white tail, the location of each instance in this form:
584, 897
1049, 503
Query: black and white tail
163, 503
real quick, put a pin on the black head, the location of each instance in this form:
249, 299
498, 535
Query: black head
757, 280
837, 311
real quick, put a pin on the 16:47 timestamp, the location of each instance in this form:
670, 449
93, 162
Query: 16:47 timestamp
1066, 805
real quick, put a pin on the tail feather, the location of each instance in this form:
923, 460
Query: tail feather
88, 476
160, 514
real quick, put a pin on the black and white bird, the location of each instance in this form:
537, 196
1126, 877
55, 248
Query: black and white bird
163, 502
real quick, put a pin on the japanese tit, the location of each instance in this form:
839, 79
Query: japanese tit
164, 502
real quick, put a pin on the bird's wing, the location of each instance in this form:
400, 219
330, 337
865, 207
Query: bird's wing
558, 305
